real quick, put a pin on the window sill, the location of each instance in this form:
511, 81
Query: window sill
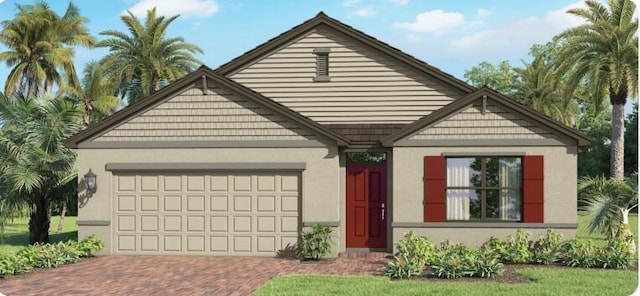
514, 225
322, 79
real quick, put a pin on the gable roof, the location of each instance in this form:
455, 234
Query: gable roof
458, 105
322, 19
204, 71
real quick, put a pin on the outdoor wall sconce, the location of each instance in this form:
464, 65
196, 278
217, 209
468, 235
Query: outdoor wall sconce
90, 179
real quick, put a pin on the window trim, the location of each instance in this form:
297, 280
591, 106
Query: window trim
483, 188
322, 52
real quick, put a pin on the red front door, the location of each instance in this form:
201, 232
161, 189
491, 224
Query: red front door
366, 201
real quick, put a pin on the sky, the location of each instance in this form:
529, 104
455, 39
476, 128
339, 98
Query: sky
450, 35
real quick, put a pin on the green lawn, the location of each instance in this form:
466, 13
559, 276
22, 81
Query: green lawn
16, 234
547, 281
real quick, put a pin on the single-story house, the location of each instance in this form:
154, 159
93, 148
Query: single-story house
238, 160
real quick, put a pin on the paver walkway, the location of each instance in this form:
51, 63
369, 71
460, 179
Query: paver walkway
174, 275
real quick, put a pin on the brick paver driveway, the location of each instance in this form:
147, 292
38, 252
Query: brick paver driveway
173, 275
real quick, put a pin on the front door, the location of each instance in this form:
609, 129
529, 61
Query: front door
366, 206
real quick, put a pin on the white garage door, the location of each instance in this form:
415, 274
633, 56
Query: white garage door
205, 213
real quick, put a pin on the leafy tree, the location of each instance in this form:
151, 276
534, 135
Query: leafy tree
500, 78
39, 47
145, 60
593, 160
540, 88
36, 167
95, 93
604, 52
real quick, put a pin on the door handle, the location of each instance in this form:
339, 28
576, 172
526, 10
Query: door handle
382, 209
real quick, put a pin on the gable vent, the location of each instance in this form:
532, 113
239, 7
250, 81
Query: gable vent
322, 64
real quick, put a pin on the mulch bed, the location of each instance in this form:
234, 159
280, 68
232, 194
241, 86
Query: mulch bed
509, 275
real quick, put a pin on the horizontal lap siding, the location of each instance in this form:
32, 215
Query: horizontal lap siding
219, 115
496, 123
366, 86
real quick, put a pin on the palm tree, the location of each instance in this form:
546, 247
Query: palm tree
541, 89
604, 52
36, 168
145, 60
608, 203
95, 93
37, 40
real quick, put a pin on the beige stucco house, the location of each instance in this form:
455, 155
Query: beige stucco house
238, 160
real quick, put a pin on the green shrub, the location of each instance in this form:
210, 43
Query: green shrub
615, 254
416, 248
30, 254
315, 243
517, 248
403, 267
90, 245
494, 248
11, 264
458, 260
546, 248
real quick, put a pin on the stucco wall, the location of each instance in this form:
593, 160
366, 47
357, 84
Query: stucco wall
560, 190
320, 180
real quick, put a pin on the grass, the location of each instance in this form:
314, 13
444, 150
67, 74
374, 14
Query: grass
547, 281
16, 233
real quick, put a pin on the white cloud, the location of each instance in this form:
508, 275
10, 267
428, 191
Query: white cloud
434, 21
482, 13
516, 37
186, 8
400, 2
350, 2
1, 1
364, 12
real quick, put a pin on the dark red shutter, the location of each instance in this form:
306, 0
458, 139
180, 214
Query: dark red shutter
533, 189
434, 188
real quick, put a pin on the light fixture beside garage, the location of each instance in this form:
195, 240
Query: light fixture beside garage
90, 179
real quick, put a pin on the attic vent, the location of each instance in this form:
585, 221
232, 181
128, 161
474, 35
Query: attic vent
322, 64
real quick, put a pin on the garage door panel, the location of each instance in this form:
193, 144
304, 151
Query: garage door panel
172, 183
266, 203
126, 203
126, 183
149, 203
289, 203
126, 223
219, 203
195, 224
219, 243
216, 213
172, 243
195, 203
150, 243
172, 203
242, 244
195, 183
149, 223
195, 243
266, 244
172, 223
149, 183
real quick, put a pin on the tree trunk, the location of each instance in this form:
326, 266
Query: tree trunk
63, 213
617, 141
39, 221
